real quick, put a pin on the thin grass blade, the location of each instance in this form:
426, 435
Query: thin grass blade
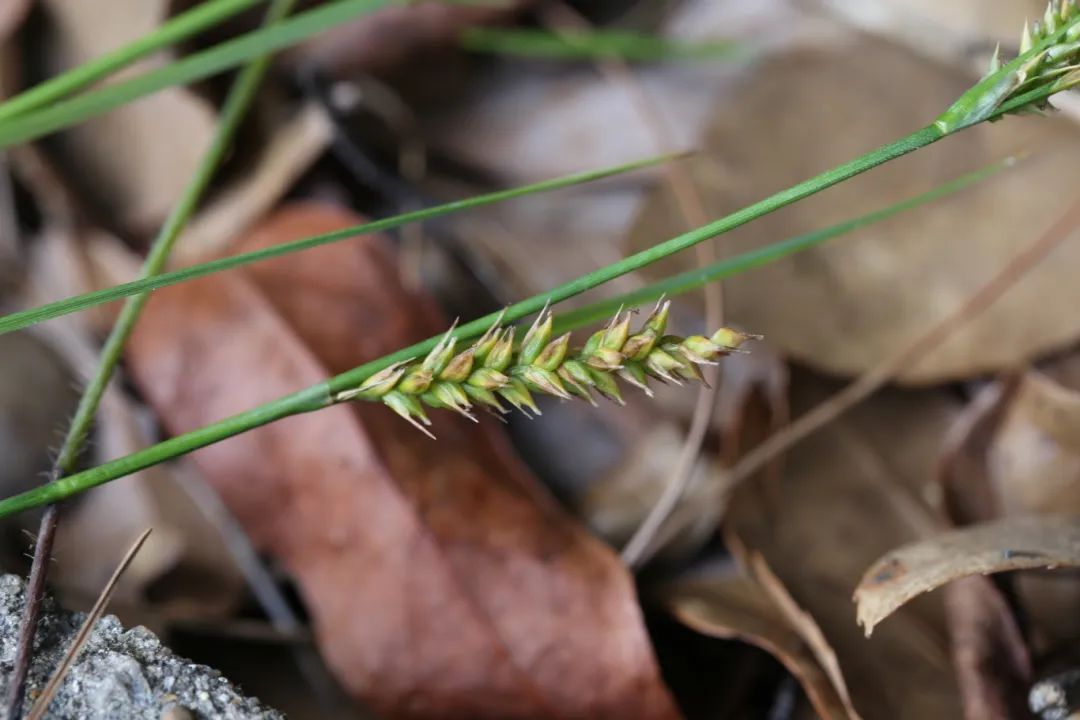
598, 44
25, 318
201, 65
176, 30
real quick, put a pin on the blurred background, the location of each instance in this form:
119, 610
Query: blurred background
341, 565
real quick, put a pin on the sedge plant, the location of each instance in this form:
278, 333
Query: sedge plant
1049, 63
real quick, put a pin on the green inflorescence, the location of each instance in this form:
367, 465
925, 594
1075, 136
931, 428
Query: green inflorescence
497, 368
1049, 62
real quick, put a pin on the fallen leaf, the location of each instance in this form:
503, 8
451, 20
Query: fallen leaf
391, 36
1012, 544
616, 503
136, 160
993, 666
290, 151
848, 493
441, 579
735, 607
12, 13
803, 623
950, 31
1020, 455
98, 529
849, 304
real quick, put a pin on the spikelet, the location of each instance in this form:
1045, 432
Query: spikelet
495, 369
1049, 60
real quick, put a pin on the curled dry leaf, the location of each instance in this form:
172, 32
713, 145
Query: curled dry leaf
441, 579
730, 606
849, 304
1011, 544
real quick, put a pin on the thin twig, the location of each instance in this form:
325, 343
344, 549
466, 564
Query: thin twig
692, 208
236, 104
47, 695
877, 376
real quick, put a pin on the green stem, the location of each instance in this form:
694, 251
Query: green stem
174, 31
919, 139
698, 277
247, 83
320, 395
236, 105
196, 67
25, 318
313, 398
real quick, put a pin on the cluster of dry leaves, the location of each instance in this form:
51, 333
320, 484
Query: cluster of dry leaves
457, 577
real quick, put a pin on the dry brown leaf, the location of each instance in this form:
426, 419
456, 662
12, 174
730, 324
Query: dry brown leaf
734, 607
993, 666
1019, 455
1012, 544
1034, 460
851, 303
850, 492
442, 581
135, 160
803, 624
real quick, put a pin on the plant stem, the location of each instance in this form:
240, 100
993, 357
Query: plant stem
196, 67
729, 267
25, 318
175, 30
236, 105
320, 395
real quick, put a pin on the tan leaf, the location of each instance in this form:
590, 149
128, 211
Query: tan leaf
847, 305
1011, 544
442, 580
137, 159
848, 493
737, 608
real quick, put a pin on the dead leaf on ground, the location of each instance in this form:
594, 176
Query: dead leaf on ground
993, 666
847, 305
853, 490
136, 160
734, 607
1012, 544
96, 530
441, 579
1020, 454
12, 13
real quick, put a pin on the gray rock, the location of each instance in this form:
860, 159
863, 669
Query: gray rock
120, 673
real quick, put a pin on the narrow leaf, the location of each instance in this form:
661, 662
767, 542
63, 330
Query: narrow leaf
25, 318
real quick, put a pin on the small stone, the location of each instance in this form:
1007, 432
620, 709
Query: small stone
120, 673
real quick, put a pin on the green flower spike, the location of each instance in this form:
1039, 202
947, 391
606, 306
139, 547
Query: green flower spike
495, 368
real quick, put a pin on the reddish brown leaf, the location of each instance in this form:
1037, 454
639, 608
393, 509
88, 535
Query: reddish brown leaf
442, 580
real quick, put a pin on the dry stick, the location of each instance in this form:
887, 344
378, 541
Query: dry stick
874, 378
692, 208
236, 104
42, 704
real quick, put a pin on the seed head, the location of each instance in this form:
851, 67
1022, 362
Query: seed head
495, 368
